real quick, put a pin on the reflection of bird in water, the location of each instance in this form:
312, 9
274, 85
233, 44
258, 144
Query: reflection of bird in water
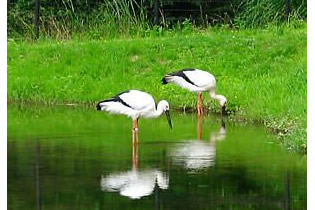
197, 155
134, 183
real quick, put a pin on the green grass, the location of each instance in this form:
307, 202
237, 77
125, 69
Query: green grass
259, 13
262, 72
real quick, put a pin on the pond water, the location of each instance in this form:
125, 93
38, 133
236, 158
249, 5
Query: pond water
78, 158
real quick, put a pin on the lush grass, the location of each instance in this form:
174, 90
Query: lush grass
258, 13
64, 20
112, 18
262, 72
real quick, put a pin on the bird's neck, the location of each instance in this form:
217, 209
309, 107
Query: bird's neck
158, 111
214, 95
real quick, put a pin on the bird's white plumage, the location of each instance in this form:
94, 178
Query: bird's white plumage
202, 80
118, 108
137, 104
138, 100
181, 82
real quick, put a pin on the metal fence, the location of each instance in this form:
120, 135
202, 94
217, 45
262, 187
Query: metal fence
181, 10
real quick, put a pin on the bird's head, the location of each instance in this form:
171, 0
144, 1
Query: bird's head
222, 101
165, 107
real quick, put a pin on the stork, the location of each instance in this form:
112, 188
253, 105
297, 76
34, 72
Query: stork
135, 104
198, 81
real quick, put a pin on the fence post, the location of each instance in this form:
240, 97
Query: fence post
156, 12
287, 9
201, 14
37, 5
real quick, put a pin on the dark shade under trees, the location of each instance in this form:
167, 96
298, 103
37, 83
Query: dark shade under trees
63, 18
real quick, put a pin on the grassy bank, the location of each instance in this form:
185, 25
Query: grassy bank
262, 72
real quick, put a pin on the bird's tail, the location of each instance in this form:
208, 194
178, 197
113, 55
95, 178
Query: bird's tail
102, 104
98, 107
164, 82
165, 79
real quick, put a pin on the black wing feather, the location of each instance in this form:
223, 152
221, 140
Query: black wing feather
115, 98
179, 74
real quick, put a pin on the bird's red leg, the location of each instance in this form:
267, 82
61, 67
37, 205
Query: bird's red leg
134, 132
137, 156
135, 150
134, 157
198, 110
199, 104
201, 107
137, 124
133, 137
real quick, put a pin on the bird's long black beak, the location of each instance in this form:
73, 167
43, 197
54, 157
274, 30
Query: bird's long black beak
223, 110
167, 113
222, 123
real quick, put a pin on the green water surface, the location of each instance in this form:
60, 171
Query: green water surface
78, 158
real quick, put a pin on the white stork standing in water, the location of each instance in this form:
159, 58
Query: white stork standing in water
197, 81
135, 104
